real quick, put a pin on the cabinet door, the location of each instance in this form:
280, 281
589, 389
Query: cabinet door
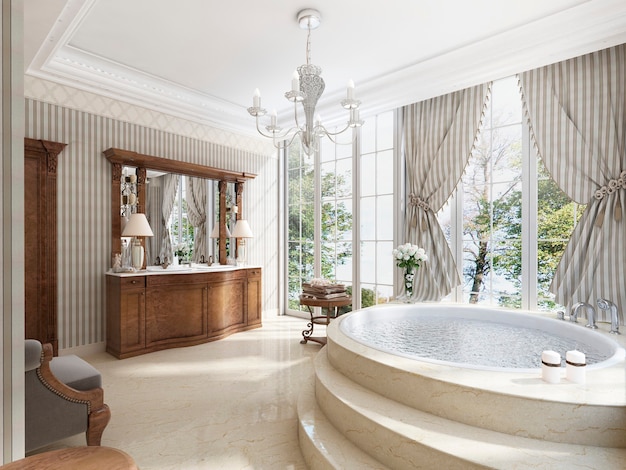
226, 305
254, 297
176, 313
126, 309
132, 330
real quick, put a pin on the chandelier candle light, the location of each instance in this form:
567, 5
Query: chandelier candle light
307, 87
409, 257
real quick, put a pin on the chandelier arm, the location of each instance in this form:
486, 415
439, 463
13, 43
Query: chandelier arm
338, 132
331, 137
269, 136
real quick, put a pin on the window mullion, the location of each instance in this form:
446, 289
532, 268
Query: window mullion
529, 222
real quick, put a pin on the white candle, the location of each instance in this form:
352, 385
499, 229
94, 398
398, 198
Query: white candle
575, 366
551, 367
295, 81
273, 117
350, 90
256, 99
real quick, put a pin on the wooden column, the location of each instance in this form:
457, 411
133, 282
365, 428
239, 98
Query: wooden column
239, 215
116, 219
222, 185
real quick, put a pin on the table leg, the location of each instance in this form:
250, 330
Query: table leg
306, 334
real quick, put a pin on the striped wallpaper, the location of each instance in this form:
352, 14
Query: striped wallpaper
84, 194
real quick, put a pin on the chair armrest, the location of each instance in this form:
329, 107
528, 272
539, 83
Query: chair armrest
98, 412
94, 398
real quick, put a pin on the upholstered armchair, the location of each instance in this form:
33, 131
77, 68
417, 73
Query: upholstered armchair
63, 397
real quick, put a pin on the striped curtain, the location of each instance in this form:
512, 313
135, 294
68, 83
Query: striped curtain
577, 113
438, 137
196, 211
170, 187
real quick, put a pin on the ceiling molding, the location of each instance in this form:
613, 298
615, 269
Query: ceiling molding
595, 25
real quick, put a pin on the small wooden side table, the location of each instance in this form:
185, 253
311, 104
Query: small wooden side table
331, 306
76, 458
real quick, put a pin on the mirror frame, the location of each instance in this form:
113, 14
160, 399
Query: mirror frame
120, 158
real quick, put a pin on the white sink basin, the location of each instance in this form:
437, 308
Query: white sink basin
170, 268
213, 267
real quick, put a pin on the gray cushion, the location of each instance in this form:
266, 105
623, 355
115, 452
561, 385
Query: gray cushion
32, 354
75, 373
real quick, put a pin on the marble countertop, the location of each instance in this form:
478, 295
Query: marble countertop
180, 269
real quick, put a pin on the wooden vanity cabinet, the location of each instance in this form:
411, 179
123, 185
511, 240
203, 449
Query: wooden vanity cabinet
148, 313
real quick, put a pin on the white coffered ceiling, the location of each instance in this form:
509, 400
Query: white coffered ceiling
202, 59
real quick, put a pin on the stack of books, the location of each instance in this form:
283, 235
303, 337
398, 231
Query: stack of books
323, 291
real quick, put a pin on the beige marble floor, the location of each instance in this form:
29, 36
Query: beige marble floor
229, 404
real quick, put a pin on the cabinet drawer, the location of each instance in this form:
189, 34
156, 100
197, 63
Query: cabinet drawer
135, 281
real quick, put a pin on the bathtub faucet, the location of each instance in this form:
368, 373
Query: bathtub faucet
604, 304
591, 314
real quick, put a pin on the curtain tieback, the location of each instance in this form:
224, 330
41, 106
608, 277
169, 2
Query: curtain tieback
613, 186
415, 200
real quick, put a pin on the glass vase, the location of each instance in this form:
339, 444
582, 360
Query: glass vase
408, 291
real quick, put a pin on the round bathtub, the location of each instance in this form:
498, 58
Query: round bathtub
475, 337
509, 400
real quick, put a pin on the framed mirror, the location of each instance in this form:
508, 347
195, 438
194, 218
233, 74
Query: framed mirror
191, 208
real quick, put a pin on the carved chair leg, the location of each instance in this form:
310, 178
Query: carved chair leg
98, 420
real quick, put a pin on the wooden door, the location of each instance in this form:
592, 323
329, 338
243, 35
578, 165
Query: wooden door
40, 240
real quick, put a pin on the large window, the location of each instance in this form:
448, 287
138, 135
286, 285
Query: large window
514, 221
324, 193
507, 223
301, 223
376, 214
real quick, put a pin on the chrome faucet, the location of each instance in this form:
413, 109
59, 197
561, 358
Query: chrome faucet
591, 314
604, 304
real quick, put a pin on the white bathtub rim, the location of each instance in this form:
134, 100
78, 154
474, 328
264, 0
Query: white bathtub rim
575, 331
604, 386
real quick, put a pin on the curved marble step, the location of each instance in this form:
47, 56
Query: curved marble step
402, 437
512, 403
322, 446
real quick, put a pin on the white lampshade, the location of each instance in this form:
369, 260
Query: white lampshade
242, 230
137, 226
216, 232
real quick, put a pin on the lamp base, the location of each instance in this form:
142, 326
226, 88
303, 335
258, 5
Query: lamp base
137, 254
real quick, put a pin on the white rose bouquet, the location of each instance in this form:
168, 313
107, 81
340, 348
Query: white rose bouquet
409, 257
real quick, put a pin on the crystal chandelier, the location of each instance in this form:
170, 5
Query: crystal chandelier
307, 87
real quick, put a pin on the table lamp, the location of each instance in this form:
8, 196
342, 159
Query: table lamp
137, 226
241, 232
